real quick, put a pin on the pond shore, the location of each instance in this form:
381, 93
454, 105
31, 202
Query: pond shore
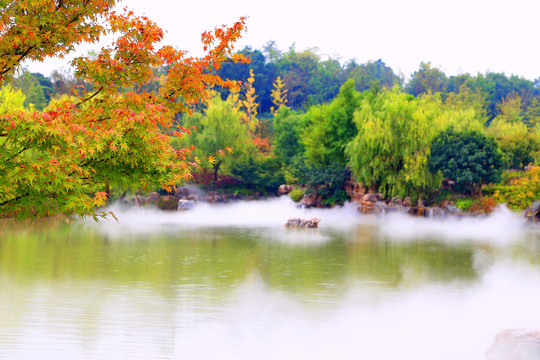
371, 203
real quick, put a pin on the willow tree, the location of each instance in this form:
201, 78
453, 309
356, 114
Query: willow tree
391, 151
220, 129
456, 111
63, 159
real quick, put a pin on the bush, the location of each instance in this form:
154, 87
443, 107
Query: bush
469, 158
338, 197
520, 192
464, 204
260, 173
297, 195
328, 182
484, 205
205, 178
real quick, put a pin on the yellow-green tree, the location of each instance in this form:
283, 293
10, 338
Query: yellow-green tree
472, 101
517, 141
11, 100
391, 151
279, 96
454, 112
249, 105
219, 129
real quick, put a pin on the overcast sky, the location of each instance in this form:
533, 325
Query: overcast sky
459, 36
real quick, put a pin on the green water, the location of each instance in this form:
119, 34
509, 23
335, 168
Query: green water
260, 291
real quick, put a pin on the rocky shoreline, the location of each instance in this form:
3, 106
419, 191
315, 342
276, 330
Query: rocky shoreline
185, 198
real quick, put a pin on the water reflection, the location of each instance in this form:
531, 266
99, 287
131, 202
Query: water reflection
243, 289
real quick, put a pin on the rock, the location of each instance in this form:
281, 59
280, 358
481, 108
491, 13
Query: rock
153, 195
189, 192
369, 198
436, 212
285, 189
354, 190
213, 197
312, 201
181, 192
533, 213
371, 203
305, 223
418, 211
237, 197
515, 344
184, 204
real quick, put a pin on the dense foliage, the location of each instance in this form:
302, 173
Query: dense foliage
520, 190
390, 153
67, 158
327, 183
470, 158
135, 116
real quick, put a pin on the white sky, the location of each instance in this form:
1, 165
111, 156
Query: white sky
459, 36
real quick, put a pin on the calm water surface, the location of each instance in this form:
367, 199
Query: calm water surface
230, 282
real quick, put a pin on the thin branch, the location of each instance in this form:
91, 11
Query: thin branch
14, 199
90, 97
5, 142
26, 147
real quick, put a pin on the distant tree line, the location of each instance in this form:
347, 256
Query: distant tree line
299, 118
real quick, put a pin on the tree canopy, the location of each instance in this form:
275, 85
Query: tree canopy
470, 158
66, 158
219, 128
390, 152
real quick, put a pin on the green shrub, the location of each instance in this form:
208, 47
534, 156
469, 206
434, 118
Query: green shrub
297, 195
260, 173
338, 197
439, 196
328, 183
469, 158
464, 204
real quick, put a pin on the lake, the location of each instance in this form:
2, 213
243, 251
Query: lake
230, 282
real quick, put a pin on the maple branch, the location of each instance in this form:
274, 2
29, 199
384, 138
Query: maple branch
174, 91
5, 142
26, 147
10, 68
44, 42
90, 97
14, 199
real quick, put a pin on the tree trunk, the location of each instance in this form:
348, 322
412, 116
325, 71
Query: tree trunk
216, 169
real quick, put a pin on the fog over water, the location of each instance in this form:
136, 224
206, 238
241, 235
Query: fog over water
229, 281
502, 226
